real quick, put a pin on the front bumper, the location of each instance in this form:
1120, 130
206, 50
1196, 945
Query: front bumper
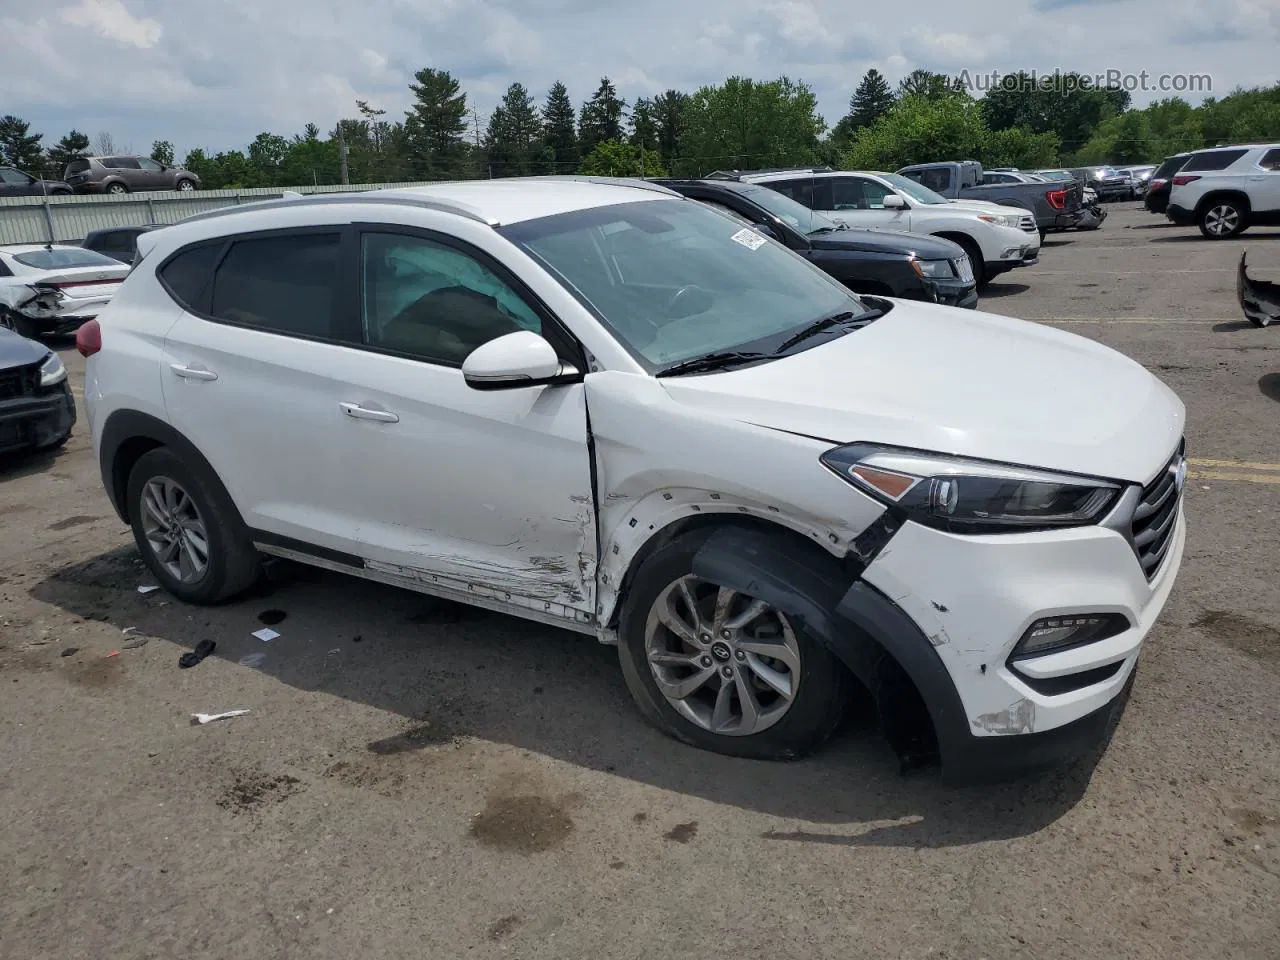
975, 597
953, 293
36, 421
1180, 215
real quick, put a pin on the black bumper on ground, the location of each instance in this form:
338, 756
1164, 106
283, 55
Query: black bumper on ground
38, 421
1180, 215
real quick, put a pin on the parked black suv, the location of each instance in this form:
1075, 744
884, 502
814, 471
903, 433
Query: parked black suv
884, 262
118, 242
1160, 185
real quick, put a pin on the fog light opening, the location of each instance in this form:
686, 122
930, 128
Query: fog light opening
1054, 634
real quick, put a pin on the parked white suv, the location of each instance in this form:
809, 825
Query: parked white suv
1226, 190
599, 405
996, 238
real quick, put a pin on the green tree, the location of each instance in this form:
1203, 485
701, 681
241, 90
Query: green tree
513, 144
267, 154
162, 152
742, 124
436, 126
1064, 104
613, 158
601, 117
643, 128
668, 118
559, 130
71, 147
930, 86
870, 101
19, 147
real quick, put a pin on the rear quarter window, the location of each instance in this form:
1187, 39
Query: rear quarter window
186, 275
1213, 160
1270, 160
77, 166
284, 284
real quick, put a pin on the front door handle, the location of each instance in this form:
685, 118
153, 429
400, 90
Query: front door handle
364, 413
192, 373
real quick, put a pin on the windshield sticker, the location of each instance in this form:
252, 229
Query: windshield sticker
749, 239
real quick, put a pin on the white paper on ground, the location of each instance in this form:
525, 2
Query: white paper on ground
148, 588
203, 718
266, 634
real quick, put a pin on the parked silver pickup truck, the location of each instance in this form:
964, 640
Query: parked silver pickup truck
1056, 206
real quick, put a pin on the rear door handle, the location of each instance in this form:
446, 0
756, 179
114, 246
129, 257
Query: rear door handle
364, 413
192, 373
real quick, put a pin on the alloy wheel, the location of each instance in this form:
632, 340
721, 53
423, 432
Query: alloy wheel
174, 529
725, 661
1222, 220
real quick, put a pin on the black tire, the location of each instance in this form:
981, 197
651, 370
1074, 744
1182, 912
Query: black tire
233, 565
819, 705
185, 185
22, 326
117, 188
1229, 211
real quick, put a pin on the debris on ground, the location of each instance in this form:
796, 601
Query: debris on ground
203, 718
272, 617
135, 643
70, 651
253, 660
128, 630
147, 588
113, 653
191, 658
266, 634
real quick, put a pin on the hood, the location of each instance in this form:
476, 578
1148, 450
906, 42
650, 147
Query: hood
888, 241
983, 206
965, 383
16, 351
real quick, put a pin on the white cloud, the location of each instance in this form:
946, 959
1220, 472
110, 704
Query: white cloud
216, 73
110, 19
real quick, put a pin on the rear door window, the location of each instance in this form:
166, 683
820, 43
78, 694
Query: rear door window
284, 284
813, 192
1213, 160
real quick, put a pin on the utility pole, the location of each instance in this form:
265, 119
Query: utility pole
344, 173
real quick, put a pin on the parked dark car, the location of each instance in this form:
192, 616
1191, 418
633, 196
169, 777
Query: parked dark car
1161, 183
15, 183
884, 262
1108, 182
120, 243
126, 175
37, 410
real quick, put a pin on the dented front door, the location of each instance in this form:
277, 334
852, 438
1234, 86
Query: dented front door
482, 492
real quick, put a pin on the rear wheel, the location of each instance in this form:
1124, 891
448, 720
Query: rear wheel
22, 326
117, 188
1223, 219
722, 670
189, 533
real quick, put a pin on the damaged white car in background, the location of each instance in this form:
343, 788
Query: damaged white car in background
52, 289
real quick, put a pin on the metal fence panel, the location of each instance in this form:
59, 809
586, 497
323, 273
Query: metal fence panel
72, 218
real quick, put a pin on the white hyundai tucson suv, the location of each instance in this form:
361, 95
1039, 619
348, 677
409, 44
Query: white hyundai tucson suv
599, 405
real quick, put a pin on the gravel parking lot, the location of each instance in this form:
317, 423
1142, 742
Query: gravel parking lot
418, 780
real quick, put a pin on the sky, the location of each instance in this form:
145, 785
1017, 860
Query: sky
214, 73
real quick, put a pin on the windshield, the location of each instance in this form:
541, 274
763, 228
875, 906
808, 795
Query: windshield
1055, 174
673, 280
61, 259
916, 191
791, 212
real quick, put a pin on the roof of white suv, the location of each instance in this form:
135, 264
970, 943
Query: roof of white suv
528, 198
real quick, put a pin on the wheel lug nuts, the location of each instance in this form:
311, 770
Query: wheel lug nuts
705, 638
726, 634
706, 661
727, 672
740, 655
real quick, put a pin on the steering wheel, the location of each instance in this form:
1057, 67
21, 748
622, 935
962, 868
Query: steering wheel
681, 297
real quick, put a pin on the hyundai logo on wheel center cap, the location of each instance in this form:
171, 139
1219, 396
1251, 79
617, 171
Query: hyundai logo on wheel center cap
721, 651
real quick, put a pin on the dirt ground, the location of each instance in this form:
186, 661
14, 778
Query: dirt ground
418, 780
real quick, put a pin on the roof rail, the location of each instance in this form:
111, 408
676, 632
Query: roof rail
396, 197
739, 174
638, 182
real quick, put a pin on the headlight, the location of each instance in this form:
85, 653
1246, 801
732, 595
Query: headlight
52, 372
933, 269
1004, 221
971, 496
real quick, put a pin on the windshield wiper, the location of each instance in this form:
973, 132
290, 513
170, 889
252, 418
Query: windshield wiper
712, 361
817, 230
826, 323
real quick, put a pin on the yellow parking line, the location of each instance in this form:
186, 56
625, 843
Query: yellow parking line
1242, 477
1232, 464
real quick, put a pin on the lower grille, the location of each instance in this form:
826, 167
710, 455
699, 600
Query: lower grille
20, 382
1157, 513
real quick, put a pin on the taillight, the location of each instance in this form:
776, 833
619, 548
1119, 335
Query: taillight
1182, 181
89, 338
1156, 184
1057, 199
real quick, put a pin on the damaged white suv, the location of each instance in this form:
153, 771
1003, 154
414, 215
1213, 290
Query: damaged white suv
599, 405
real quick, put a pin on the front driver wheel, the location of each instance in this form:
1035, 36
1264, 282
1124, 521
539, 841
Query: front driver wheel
1223, 219
186, 186
722, 670
189, 533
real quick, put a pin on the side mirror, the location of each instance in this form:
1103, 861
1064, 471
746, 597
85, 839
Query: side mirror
515, 360
893, 201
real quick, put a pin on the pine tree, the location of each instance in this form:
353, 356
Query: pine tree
560, 135
71, 147
871, 101
668, 118
513, 142
19, 147
644, 125
601, 117
436, 126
